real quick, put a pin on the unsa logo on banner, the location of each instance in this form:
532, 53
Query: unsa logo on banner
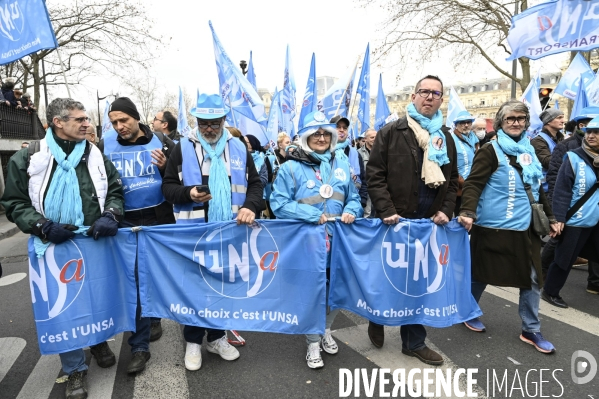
56, 280
408, 266
239, 269
12, 21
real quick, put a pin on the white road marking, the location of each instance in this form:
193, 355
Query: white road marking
40, 382
12, 278
100, 382
10, 349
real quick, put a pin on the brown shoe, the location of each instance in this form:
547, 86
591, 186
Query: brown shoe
425, 355
376, 333
580, 262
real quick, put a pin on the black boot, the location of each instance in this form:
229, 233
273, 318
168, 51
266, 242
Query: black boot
155, 331
104, 356
76, 385
138, 362
376, 333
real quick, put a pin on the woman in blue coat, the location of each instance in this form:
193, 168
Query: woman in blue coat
315, 187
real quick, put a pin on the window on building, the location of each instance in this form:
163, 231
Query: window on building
496, 86
553, 80
471, 89
482, 115
495, 101
492, 115
483, 88
469, 103
462, 90
483, 102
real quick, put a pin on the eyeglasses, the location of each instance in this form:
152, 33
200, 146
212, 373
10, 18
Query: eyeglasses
425, 93
511, 120
206, 125
156, 119
83, 119
464, 123
322, 135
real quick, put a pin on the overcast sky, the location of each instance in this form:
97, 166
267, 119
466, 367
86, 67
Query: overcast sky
336, 30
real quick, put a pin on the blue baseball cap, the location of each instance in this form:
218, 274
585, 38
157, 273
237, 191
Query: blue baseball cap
314, 121
464, 116
587, 113
209, 106
593, 125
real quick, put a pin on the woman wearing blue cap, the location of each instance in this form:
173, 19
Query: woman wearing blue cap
314, 187
575, 205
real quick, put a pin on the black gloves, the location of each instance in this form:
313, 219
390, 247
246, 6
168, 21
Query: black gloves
106, 225
56, 233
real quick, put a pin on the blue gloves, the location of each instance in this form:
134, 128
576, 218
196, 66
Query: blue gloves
54, 232
106, 225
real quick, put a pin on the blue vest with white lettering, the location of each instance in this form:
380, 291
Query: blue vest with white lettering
191, 175
142, 182
354, 165
503, 203
584, 178
304, 177
465, 156
551, 145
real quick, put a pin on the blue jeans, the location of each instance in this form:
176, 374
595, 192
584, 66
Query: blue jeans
195, 335
73, 361
528, 306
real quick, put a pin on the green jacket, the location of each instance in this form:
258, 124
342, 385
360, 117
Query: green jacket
17, 202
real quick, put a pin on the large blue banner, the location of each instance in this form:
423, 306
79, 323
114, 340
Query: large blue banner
414, 272
83, 291
24, 29
553, 27
266, 277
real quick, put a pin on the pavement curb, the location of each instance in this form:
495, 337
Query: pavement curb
5, 233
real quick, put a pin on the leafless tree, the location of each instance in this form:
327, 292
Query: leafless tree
145, 95
94, 36
418, 30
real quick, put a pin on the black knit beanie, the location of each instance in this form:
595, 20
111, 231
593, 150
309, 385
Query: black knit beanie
124, 104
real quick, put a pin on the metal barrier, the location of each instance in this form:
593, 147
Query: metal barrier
20, 124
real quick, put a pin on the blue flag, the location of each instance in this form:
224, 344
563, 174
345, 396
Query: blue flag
530, 97
288, 96
309, 103
182, 125
364, 92
556, 105
251, 76
414, 272
382, 108
235, 89
69, 286
581, 101
25, 28
553, 27
106, 124
275, 118
225, 276
454, 107
570, 82
337, 99
592, 91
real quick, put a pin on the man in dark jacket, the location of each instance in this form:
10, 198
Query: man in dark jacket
140, 156
571, 143
166, 123
403, 182
68, 124
199, 197
549, 137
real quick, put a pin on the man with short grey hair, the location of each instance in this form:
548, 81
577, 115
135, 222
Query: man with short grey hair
553, 123
65, 139
479, 127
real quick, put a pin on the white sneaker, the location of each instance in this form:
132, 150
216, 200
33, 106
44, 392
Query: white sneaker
313, 357
223, 348
193, 357
328, 343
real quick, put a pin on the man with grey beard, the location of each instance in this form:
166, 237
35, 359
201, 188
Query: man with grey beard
205, 180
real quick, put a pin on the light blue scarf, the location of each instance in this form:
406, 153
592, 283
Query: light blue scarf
471, 139
531, 174
220, 188
63, 201
325, 165
340, 150
439, 156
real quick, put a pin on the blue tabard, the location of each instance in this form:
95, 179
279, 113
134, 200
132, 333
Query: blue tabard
354, 167
503, 203
142, 183
584, 178
193, 212
465, 156
551, 145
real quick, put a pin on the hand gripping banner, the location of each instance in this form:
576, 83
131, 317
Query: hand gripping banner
83, 291
414, 272
266, 277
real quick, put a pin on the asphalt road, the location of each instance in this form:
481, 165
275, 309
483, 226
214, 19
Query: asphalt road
274, 366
